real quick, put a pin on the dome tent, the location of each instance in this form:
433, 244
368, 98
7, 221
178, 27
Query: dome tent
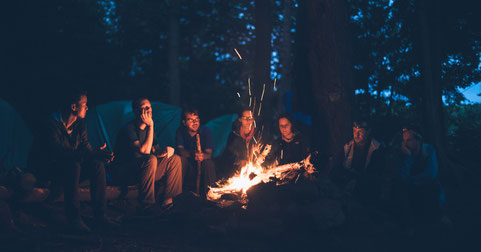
15, 137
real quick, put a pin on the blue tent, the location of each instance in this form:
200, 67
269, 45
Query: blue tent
15, 137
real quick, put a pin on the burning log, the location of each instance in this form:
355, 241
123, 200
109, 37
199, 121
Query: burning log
253, 174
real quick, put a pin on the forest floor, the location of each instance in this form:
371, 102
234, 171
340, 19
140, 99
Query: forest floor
205, 227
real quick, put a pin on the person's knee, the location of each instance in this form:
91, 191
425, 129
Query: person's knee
98, 166
176, 161
151, 162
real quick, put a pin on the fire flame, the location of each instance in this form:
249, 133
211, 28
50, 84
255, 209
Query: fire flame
253, 174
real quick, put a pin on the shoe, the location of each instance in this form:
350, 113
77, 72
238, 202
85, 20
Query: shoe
78, 226
166, 208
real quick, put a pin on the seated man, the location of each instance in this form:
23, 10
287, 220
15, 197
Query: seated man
362, 163
141, 160
185, 140
291, 147
418, 189
63, 154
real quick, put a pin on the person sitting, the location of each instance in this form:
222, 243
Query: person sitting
418, 189
192, 159
242, 143
141, 160
291, 147
62, 154
362, 164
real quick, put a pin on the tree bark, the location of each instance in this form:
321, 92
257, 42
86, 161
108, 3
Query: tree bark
174, 71
285, 52
331, 68
428, 14
263, 50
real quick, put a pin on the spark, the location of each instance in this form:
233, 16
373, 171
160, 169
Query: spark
240, 57
250, 101
275, 83
254, 106
260, 106
254, 141
263, 89
238, 94
249, 82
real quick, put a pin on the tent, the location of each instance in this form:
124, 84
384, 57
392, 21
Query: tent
15, 137
105, 121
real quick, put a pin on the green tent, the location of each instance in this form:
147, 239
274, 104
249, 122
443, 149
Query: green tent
15, 137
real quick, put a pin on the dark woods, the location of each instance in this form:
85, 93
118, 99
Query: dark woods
394, 62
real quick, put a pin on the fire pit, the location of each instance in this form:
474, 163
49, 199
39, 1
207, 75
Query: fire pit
235, 188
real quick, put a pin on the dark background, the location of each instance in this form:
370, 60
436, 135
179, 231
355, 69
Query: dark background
394, 62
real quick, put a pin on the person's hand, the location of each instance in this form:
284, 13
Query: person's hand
161, 154
146, 118
405, 149
199, 156
103, 154
170, 151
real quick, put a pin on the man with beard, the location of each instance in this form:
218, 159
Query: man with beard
186, 143
141, 160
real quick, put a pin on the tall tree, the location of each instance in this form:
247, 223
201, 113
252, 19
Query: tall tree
174, 34
330, 66
263, 49
285, 50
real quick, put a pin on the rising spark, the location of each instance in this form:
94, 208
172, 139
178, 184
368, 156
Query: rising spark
275, 83
260, 106
254, 106
249, 83
263, 89
240, 57
238, 94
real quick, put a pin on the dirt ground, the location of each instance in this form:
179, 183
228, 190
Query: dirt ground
194, 225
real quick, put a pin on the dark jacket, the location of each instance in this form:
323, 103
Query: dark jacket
53, 145
237, 149
288, 152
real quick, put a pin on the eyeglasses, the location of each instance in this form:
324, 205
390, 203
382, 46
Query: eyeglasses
190, 120
247, 118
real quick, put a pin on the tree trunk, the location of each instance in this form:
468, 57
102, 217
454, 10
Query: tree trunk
285, 51
428, 13
331, 68
174, 30
263, 27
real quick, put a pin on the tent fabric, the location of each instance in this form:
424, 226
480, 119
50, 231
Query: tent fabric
221, 128
15, 137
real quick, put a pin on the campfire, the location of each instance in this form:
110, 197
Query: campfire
252, 174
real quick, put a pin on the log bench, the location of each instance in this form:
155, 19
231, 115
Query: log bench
39, 194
